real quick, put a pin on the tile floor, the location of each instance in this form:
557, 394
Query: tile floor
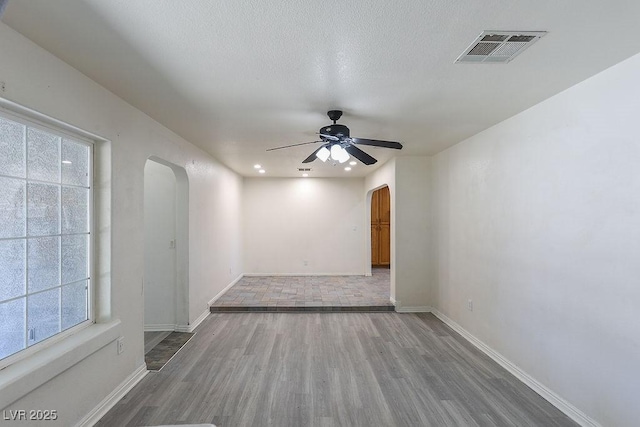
166, 349
309, 293
153, 338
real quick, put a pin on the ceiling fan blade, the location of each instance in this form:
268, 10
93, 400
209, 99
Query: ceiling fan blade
376, 143
292, 145
360, 155
312, 157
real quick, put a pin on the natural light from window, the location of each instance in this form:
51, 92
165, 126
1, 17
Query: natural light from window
45, 233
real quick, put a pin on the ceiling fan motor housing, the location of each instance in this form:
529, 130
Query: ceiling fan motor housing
340, 131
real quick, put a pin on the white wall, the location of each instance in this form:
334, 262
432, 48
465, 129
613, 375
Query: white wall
539, 223
292, 220
160, 274
384, 175
413, 254
415, 251
36, 79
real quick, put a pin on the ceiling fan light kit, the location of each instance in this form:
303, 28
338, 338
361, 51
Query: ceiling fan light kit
323, 154
339, 145
338, 153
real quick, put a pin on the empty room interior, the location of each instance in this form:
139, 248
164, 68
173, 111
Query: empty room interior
319, 213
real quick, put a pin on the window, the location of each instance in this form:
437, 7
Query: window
45, 233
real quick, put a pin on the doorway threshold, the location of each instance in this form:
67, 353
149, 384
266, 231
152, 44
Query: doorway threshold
303, 308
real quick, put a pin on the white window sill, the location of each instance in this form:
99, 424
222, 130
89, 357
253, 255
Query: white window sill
24, 376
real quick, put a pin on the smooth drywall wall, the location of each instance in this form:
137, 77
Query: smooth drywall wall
160, 275
415, 256
385, 175
538, 223
304, 226
36, 79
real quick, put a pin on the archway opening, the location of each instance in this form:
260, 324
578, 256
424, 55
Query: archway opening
379, 247
166, 302
381, 228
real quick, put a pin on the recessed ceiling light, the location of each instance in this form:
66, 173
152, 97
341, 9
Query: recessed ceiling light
66, 162
352, 163
261, 171
347, 168
257, 166
304, 175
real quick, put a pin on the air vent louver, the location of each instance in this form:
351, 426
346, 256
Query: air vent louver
498, 46
483, 48
304, 169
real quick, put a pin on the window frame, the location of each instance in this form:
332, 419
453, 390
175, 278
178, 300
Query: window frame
35, 123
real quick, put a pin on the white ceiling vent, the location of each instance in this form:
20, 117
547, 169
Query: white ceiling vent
499, 46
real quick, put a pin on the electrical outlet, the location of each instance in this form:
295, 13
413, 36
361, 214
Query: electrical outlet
120, 342
470, 305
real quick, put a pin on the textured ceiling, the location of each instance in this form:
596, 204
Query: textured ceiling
238, 77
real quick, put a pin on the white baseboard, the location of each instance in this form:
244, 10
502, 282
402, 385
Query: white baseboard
571, 411
400, 308
193, 325
226, 288
178, 328
160, 327
414, 309
114, 397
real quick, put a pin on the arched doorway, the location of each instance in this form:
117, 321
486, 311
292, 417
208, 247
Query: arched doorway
166, 302
381, 228
379, 258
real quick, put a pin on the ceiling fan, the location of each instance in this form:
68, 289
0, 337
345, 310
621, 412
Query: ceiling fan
339, 145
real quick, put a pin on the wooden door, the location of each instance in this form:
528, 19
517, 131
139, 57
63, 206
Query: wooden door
375, 224
375, 246
381, 228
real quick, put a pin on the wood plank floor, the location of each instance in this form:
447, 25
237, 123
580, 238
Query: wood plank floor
331, 369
